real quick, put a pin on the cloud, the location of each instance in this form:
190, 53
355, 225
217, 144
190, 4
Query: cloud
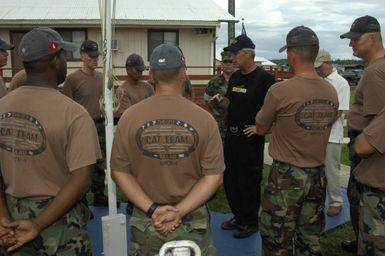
268, 22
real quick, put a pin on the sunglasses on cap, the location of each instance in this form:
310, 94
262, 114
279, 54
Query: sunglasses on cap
227, 61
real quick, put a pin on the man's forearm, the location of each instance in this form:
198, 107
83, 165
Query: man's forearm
71, 193
3, 206
200, 193
362, 147
132, 190
262, 129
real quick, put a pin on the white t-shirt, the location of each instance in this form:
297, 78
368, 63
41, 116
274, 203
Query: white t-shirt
343, 92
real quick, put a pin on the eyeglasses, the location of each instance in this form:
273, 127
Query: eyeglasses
227, 62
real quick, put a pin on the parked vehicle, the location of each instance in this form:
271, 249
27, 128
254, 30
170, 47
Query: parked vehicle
353, 76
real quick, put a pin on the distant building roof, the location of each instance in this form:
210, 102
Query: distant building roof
128, 12
264, 62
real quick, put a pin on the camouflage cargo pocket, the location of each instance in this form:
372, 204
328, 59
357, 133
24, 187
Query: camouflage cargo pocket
371, 224
285, 185
287, 177
66, 236
372, 208
133, 249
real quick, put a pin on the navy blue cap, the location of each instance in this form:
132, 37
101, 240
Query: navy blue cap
90, 47
239, 43
167, 56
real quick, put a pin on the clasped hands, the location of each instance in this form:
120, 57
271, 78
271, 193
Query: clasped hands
166, 219
13, 234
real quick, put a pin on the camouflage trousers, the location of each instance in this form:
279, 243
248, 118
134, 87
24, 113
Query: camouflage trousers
98, 178
147, 242
67, 236
353, 192
222, 127
292, 218
371, 239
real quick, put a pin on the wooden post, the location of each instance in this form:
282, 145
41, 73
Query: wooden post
231, 25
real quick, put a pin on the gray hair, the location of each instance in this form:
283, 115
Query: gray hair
250, 50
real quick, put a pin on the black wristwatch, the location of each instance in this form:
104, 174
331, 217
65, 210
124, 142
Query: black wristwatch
151, 210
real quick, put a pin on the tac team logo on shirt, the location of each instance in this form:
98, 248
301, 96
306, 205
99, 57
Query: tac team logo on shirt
167, 139
239, 89
21, 134
316, 114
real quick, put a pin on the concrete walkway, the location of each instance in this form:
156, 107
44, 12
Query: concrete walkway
345, 169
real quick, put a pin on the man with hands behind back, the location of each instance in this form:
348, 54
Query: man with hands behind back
167, 159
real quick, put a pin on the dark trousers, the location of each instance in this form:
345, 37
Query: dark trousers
243, 174
353, 189
98, 186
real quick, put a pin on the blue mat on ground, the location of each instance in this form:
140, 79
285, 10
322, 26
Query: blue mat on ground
225, 243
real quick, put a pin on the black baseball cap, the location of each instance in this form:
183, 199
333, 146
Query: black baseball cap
90, 47
362, 25
300, 36
5, 46
239, 43
135, 60
41, 42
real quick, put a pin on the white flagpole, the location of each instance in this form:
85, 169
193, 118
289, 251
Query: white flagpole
113, 225
108, 87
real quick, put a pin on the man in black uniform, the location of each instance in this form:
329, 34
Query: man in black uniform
243, 149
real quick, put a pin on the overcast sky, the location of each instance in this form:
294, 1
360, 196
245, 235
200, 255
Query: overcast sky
267, 22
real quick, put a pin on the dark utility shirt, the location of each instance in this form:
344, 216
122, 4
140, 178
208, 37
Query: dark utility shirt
246, 94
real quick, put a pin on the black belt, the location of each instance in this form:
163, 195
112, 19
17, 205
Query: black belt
237, 128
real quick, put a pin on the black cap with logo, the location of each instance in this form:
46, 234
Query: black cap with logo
239, 43
362, 25
135, 60
300, 36
42, 42
167, 56
5, 46
90, 47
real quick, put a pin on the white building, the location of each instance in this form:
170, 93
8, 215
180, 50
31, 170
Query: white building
139, 26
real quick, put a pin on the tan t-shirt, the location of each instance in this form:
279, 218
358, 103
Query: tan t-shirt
129, 94
18, 80
44, 136
167, 143
370, 171
370, 96
86, 90
302, 111
3, 89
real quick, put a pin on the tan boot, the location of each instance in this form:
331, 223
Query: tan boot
334, 210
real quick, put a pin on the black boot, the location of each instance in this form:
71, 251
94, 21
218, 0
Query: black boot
349, 245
